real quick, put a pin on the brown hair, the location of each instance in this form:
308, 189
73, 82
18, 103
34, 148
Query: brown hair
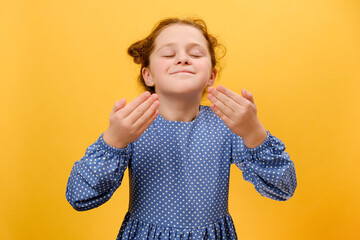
142, 49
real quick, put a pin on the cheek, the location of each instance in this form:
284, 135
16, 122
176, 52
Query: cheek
205, 67
160, 66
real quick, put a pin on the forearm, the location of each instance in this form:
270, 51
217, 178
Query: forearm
96, 176
255, 137
268, 167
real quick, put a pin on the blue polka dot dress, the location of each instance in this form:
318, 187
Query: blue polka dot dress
179, 177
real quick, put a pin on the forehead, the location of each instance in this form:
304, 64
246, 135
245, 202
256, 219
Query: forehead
180, 34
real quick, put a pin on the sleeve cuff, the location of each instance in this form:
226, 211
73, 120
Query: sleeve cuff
109, 148
263, 145
270, 141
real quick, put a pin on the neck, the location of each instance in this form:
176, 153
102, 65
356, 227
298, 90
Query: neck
179, 109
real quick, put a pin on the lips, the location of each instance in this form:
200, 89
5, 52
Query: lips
182, 71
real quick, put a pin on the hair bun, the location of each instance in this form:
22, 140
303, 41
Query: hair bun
135, 52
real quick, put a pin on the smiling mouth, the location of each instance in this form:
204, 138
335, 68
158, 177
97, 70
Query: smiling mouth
187, 72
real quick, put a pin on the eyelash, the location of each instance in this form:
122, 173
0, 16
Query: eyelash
192, 55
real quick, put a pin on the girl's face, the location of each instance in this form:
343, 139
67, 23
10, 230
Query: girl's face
180, 63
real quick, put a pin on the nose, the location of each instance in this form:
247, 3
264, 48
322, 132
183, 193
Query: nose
183, 59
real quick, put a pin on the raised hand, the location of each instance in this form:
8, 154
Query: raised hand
239, 113
127, 123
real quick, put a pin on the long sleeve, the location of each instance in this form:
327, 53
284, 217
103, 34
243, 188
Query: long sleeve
95, 177
268, 167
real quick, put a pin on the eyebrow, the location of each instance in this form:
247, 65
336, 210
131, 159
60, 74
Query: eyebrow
191, 46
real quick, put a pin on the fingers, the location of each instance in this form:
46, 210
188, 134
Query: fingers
234, 96
139, 113
248, 95
135, 103
224, 96
119, 104
223, 103
151, 104
144, 122
221, 115
229, 105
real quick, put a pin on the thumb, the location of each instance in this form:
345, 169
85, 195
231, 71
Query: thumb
248, 95
119, 104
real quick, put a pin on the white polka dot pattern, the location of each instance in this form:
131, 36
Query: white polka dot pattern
179, 177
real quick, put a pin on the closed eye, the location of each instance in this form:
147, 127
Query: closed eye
196, 55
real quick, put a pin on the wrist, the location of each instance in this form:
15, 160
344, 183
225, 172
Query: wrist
108, 139
255, 137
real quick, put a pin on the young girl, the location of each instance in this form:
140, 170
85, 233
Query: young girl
178, 151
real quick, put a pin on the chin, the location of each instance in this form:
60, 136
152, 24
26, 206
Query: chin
187, 92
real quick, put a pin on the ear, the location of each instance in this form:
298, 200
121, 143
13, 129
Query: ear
213, 74
146, 73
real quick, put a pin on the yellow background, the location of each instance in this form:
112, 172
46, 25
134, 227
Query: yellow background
63, 64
